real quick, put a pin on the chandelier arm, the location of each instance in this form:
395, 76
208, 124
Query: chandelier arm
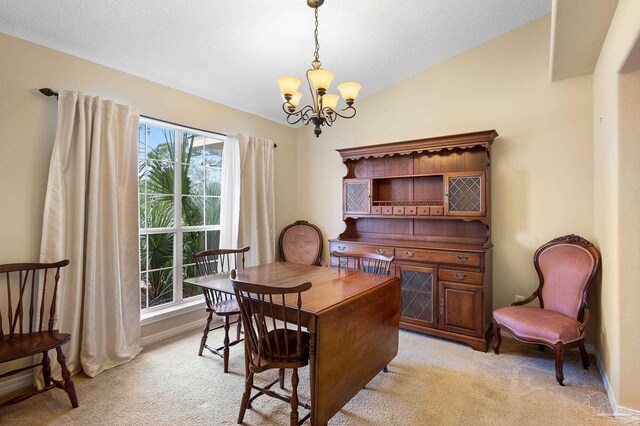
302, 114
344, 115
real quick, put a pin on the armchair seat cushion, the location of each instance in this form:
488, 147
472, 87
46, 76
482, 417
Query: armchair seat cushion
537, 324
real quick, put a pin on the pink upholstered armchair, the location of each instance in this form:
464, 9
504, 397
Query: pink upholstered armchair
566, 267
301, 242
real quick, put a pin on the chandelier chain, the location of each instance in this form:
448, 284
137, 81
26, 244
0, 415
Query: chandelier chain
315, 34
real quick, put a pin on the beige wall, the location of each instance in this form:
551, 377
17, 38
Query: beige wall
542, 162
28, 124
616, 121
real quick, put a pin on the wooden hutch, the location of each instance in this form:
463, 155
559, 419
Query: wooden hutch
427, 203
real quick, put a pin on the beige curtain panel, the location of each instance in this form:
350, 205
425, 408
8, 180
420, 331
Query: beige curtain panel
91, 218
247, 216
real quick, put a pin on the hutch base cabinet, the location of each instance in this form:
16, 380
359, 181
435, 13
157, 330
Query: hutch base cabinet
427, 203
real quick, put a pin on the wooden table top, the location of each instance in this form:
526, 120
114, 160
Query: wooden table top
329, 287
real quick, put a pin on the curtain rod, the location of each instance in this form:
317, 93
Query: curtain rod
50, 92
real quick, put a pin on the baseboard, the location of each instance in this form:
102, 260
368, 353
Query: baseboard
620, 412
175, 331
16, 384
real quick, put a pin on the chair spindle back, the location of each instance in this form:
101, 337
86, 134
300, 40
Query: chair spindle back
364, 262
265, 319
26, 287
214, 261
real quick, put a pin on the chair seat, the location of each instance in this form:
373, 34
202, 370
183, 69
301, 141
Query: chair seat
31, 344
302, 360
225, 307
538, 324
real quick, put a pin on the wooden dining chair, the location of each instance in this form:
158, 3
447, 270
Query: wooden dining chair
31, 295
366, 262
566, 268
271, 343
224, 305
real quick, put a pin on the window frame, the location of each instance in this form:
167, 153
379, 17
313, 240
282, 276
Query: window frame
178, 304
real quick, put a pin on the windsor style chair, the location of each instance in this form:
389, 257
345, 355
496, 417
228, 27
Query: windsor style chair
31, 294
270, 343
224, 305
566, 268
366, 262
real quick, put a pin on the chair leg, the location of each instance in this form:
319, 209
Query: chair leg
46, 368
584, 355
559, 349
69, 387
281, 376
293, 418
497, 338
239, 329
205, 333
385, 369
245, 396
226, 344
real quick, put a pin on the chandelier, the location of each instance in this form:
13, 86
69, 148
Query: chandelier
324, 106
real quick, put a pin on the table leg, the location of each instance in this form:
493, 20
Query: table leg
312, 371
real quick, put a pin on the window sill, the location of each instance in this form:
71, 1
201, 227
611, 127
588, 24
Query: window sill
171, 311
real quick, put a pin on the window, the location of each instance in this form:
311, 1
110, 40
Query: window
179, 203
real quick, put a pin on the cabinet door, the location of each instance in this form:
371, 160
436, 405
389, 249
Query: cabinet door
357, 196
418, 294
460, 308
464, 194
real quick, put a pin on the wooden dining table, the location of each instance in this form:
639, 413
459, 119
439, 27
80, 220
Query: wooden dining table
353, 319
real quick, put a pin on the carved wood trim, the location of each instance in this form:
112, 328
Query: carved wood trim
482, 139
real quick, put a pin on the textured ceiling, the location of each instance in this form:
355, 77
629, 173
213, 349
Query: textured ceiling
232, 51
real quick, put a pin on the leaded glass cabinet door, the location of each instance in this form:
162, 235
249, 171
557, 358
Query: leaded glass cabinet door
419, 288
357, 196
464, 194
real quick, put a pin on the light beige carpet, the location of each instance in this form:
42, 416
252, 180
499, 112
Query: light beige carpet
431, 381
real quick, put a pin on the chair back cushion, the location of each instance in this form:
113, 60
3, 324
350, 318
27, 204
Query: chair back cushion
566, 271
301, 242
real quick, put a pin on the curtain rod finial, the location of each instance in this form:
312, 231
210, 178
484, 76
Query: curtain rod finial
48, 92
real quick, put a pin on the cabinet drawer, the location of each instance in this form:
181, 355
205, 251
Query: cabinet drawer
387, 210
360, 248
436, 210
423, 211
410, 210
460, 276
398, 210
376, 210
433, 256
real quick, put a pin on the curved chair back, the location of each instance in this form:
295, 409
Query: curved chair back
214, 261
566, 267
301, 242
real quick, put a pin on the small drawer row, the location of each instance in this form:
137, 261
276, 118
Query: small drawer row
473, 260
408, 210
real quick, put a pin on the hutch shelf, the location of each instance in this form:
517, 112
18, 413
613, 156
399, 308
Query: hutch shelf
427, 203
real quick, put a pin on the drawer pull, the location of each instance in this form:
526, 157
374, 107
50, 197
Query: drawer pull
341, 248
462, 258
442, 306
409, 253
380, 251
460, 276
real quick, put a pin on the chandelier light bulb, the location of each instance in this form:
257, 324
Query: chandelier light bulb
349, 90
321, 79
330, 101
288, 85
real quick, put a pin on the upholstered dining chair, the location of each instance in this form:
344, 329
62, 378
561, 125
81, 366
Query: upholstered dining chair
271, 343
29, 300
301, 242
224, 305
367, 262
566, 268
